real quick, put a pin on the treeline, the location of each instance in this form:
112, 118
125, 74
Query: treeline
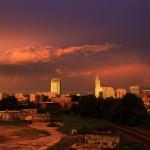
129, 110
10, 102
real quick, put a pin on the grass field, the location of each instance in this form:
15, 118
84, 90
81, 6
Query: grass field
2, 139
18, 130
82, 125
31, 132
10, 123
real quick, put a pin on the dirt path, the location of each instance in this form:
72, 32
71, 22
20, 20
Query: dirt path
49, 141
37, 144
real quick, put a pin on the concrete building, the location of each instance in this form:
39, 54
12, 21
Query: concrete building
134, 90
108, 92
120, 93
33, 97
2, 95
63, 101
55, 86
145, 96
10, 114
20, 97
98, 141
98, 88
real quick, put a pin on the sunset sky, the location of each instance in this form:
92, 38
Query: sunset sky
74, 40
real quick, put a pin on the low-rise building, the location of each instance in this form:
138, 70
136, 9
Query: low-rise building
10, 115
2, 95
20, 97
63, 101
97, 141
145, 96
108, 92
17, 114
120, 93
134, 90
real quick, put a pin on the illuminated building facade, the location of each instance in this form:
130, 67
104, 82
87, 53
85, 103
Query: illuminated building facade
98, 88
108, 92
2, 95
33, 97
134, 90
55, 86
145, 96
20, 97
120, 93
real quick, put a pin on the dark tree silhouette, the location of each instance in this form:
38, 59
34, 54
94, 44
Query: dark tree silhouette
131, 111
88, 106
10, 102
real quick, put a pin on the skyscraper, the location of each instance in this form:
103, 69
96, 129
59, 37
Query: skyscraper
98, 88
55, 86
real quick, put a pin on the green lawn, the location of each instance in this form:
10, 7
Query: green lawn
82, 125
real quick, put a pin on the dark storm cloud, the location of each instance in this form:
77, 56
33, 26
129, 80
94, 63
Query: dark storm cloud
75, 30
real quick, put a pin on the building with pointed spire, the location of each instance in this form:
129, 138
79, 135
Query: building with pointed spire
98, 88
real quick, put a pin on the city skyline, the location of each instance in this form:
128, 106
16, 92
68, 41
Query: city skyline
74, 74
57, 88
74, 40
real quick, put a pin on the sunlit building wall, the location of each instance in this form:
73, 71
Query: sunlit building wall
108, 92
20, 97
33, 97
120, 93
98, 88
134, 90
55, 86
145, 96
2, 95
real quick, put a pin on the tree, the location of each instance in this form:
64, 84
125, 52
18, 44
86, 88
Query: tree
75, 98
54, 109
131, 111
88, 106
10, 102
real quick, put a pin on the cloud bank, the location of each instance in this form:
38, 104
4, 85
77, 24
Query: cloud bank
46, 53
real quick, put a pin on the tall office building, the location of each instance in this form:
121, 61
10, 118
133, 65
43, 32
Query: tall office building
98, 88
55, 86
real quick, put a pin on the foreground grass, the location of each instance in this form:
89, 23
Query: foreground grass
31, 132
131, 146
10, 123
2, 139
82, 125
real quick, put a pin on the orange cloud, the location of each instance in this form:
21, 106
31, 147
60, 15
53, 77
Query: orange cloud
85, 49
24, 55
46, 53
